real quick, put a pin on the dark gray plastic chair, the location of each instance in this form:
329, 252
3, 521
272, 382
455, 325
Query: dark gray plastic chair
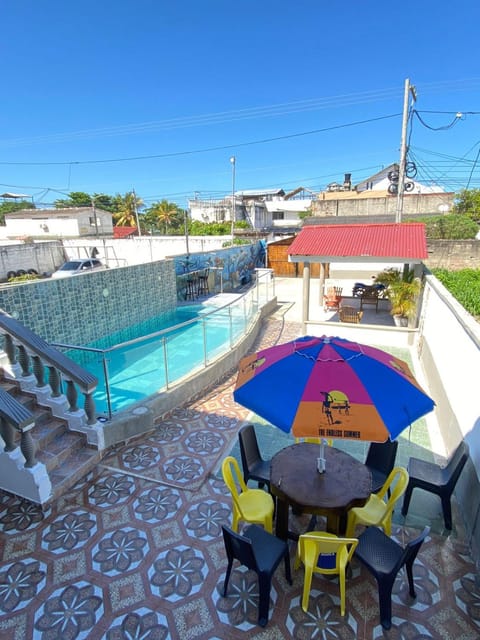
436, 479
261, 552
381, 460
254, 466
384, 558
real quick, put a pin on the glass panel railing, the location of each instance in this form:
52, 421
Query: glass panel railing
133, 370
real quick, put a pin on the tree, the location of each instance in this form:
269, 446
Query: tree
75, 199
11, 207
164, 214
126, 208
468, 202
83, 199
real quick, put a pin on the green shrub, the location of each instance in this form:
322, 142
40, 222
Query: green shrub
453, 226
464, 285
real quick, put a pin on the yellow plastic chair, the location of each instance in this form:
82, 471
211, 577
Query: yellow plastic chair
314, 440
378, 510
249, 505
327, 554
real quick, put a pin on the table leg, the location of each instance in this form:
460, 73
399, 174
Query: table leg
281, 520
336, 524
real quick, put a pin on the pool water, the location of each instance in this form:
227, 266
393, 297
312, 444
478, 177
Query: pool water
137, 371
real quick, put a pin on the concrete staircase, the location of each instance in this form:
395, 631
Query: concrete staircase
66, 454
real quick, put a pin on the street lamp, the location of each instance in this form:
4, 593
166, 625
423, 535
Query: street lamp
232, 160
185, 224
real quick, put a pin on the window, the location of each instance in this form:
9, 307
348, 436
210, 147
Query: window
278, 215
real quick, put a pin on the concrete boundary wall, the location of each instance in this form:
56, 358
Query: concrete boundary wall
449, 352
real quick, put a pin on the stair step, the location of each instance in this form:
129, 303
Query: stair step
10, 387
47, 430
65, 454
73, 469
60, 448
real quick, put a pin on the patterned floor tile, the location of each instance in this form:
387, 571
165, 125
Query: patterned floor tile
135, 550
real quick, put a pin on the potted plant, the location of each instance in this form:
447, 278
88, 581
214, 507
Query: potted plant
403, 296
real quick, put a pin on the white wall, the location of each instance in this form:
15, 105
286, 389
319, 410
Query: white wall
130, 251
451, 337
41, 227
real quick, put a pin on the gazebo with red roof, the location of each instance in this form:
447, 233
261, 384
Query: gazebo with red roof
403, 243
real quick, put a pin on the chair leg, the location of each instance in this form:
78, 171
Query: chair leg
227, 576
406, 500
307, 584
385, 601
387, 526
411, 583
447, 512
269, 523
264, 584
351, 523
235, 520
341, 580
288, 573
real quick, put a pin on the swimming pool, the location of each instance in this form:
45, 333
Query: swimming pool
182, 344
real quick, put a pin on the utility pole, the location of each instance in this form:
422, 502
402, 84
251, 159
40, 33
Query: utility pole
403, 149
233, 160
94, 211
136, 213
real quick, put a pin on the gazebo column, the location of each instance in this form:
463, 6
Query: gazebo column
306, 296
321, 283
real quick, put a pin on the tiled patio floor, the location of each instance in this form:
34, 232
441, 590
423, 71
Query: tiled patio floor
135, 551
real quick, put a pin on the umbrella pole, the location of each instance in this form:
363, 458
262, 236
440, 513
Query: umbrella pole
321, 458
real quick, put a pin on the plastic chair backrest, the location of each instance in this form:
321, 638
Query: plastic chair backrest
396, 482
233, 478
381, 456
456, 464
315, 440
324, 553
239, 547
249, 449
312, 546
411, 550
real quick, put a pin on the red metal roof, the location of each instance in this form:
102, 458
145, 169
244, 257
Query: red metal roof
406, 241
124, 232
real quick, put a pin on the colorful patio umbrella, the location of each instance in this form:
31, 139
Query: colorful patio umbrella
330, 387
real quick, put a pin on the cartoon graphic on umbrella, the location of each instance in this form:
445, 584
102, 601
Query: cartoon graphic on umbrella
330, 387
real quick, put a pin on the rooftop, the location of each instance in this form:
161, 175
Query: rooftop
396, 242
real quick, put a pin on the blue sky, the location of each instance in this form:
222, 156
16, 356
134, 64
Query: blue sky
109, 95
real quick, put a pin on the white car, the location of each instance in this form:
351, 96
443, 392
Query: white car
75, 267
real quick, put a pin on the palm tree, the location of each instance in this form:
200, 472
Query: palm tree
126, 209
166, 213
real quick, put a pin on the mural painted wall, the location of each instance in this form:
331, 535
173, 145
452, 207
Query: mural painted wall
226, 269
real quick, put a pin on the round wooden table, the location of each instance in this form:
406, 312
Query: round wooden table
295, 482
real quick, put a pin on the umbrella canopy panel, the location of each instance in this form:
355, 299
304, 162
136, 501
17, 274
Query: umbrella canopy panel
332, 388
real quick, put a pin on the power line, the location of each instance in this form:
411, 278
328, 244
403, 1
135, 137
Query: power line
205, 150
455, 121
